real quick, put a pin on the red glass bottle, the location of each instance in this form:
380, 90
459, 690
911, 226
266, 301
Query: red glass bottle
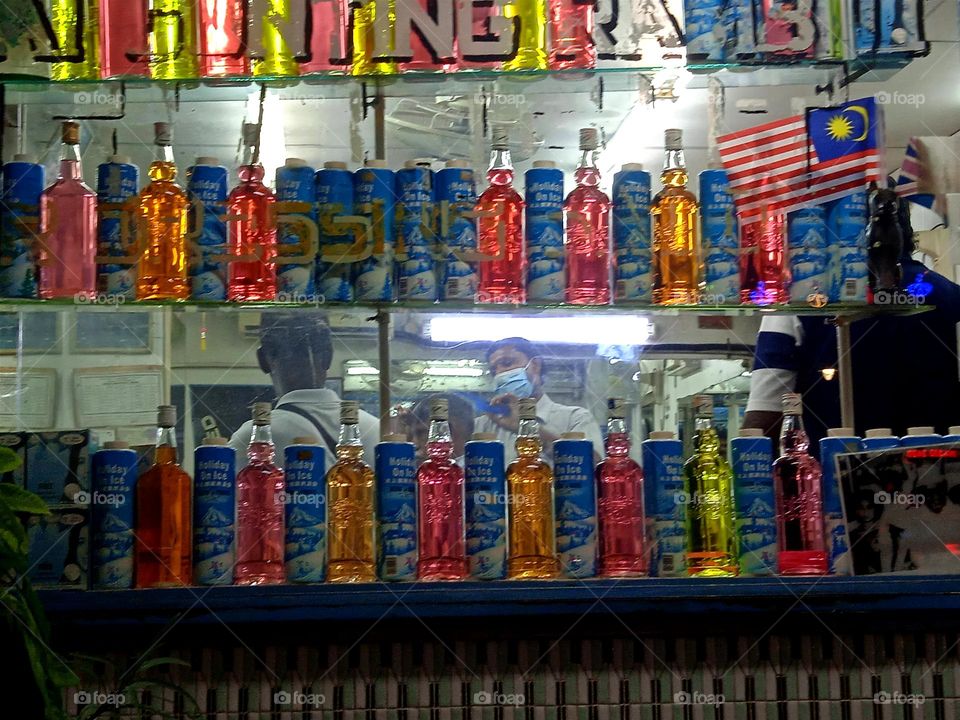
223, 52
68, 226
164, 543
440, 504
620, 502
571, 35
123, 39
252, 229
587, 210
762, 275
329, 41
502, 274
260, 509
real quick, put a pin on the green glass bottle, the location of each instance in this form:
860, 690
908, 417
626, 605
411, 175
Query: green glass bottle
708, 483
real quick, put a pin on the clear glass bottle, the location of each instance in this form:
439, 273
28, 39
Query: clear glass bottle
252, 229
260, 508
65, 17
708, 492
762, 278
440, 504
162, 227
531, 528
572, 24
350, 506
677, 261
531, 39
620, 501
500, 235
587, 210
797, 485
68, 226
164, 535
172, 39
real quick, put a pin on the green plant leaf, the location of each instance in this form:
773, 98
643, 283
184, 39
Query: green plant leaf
9, 460
157, 662
20, 500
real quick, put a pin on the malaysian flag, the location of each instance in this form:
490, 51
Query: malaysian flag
807, 159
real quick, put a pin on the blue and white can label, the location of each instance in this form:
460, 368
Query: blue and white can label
305, 513
375, 199
114, 478
296, 208
456, 197
631, 235
751, 460
666, 516
575, 498
117, 182
334, 187
207, 189
417, 231
846, 230
921, 439
721, 243
877, 443
809, 254
214, 514
544, 234
835, 527
396, 471
486, 509
20, 223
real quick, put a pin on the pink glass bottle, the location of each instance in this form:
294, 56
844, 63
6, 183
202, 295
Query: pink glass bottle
587, 211
797, 485
620, 502
123, 39
571, 35
762, 276
223, 51
68, 226
502, 277
440, 504
329, 40
252, 229
260, 510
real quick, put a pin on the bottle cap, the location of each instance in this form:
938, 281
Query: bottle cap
840, 432
70, 132
631, 167
394, 437
116, 445
337, 165
589, 139
439, 408
162, 133
456, 164
306, 440
423, 162
23, 157
250, 133
663, 435
167, 416
484, 437
703, 405
373, 163
501, 139
119, 159
920, 430
527, 408
261, 413
878, 433
953, 430
573, 436
616, 409
792, 404
544, 164
349, 412
673, 139
207, 160
751, 432
294, 163
215, 440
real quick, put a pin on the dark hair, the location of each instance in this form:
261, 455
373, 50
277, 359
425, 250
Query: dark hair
519, 343
292, 337
461, 410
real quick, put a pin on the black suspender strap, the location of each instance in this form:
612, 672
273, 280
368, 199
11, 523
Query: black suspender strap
324, 433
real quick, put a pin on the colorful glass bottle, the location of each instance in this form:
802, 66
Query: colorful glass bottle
123, 51
367, 30
587, 210
762, 278
502, 277
162, 227
620, 501
252, 229
172, 39
440, 504
73, 21
223, 49
797, 486
531, 34
531, 530
329, 48
350, 506
708, 492
676, 232
68, 226
164, 536
260, 508
278, 57
571, 35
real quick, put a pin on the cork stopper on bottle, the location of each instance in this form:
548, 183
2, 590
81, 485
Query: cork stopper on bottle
116, 445
261, 413
673, 139
338, 165
393, 437
663, 435
544, 164
616, 408
840, 432
215, 440
439, 409
306, 440
501, 139
349, 412
484, 436
573, 436
70, 132
792, 404
527, 408
589, 139
162, 133
251, 133
751, 432
293, 162
703, 405
878, 433
166, 416
920, 430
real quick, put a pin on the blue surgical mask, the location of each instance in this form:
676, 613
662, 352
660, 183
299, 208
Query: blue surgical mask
515, 382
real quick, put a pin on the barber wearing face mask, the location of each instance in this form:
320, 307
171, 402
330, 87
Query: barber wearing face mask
517, 370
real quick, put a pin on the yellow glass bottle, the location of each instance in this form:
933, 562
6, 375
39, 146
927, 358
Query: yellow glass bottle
531, 531
350, 506
708, 494
364, 34
531, 34
162, 227
172, 39
277, 60
677, 262
65, 17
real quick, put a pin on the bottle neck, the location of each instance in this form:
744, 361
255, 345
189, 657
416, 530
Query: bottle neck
793, 438
674, 168
248, 155
617, 444
70, 161
528, 438
261, 434
163, 167
250, 171
439, 440
501, 168
587, 173
166, 449
349, 444
706, 436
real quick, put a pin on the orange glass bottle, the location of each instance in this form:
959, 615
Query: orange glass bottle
163, 513
162, 227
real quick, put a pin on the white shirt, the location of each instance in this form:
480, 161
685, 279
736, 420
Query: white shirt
324, 405
773, 374
555, 419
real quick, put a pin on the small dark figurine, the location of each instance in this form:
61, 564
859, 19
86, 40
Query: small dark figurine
884, 240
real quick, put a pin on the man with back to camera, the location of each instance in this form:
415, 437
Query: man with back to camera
905, 367
517, 370
296, 350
